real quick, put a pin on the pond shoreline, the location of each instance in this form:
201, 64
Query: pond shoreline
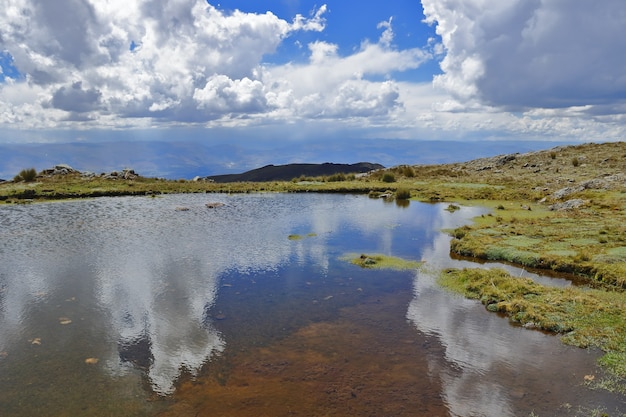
533, 221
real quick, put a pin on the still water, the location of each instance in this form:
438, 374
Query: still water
165, 307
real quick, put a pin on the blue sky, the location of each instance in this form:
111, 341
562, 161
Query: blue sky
519, 70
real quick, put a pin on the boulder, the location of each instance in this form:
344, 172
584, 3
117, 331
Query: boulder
593, 184
129, 174
59, 169
567, 205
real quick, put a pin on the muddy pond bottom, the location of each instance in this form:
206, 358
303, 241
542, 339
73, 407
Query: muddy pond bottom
172, 307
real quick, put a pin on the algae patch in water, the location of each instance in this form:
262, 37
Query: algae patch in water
378, 261
300, 237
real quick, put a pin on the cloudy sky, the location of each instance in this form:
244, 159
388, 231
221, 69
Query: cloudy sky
436, 69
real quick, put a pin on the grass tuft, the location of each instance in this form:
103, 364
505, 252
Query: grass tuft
378, 261
584, 317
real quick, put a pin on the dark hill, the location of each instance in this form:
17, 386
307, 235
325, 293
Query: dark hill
291, 171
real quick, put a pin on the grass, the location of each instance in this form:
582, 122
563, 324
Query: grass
378, 261
300, 237
583, 317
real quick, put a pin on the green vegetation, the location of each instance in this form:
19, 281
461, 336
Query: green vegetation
26, 175
584, 317
378, 261
300, 237
389, 177
585, 242
403, 193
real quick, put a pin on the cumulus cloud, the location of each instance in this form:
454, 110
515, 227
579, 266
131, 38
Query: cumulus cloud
140, 59
221, 94
522, 67
76, 99
530, 53
336, 87
120, 63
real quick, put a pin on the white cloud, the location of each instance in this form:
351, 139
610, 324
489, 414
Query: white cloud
78, 54
118, 64
221, 94
531, 53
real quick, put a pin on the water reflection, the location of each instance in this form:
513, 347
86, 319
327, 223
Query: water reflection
138, 281
491, 367
154, 271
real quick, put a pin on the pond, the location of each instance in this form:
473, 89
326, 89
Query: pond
139, 306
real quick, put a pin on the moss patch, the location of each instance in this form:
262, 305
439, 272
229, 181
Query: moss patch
378, 261
300, 237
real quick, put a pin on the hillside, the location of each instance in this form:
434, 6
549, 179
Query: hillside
291, 171
542, 171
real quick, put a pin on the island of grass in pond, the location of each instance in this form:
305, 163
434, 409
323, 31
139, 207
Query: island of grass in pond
378, 261
300, 237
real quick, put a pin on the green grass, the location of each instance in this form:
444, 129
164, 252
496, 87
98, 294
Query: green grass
587, 242
378, 261
300, 237
583, 317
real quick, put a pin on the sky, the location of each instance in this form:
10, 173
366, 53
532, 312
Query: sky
514, 70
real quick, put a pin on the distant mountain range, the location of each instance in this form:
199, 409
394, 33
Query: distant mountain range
291, 171
187, 159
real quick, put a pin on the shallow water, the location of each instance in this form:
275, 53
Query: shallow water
131, 306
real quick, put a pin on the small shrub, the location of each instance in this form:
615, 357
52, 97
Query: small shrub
388, 177
553, 155
336, 178
403, 194
26, 175
575, 161
408, 171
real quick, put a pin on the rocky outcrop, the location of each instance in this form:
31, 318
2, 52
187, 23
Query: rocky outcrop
125, 174
61, 169
606, 183
568, 205
64, 169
